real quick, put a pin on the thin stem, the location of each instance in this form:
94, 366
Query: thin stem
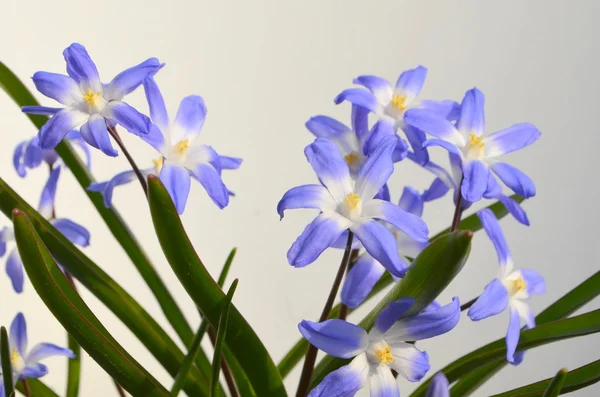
119, 389
458, 210
353, 258
311, 354
26, 388
224, 367
113, 132
466, 306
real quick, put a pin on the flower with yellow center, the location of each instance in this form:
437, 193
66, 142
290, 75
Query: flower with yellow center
16, 360
91, 97
384, 355
399, 101
352, 159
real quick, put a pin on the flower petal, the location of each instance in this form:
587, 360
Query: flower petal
320, 234
492, 301
306, 196
450, 147
360, 280
411, 82
409, 362
14, 270
510, 139
448, 109
360, 121
81, 67
130, 79
375, 172
439, 386
18, 334
360, 97
332, 170
535, 282
438, 189
512, 334
326, 127
345, 381
106, 188
189, 119
18, 159
177, 182
378, 87
45, 350
409, 223
432, 124
46, 206
94, 132
425, 325
58, 87
58, 126
475, 180
472, 116
417, 138
125, 115
382, 383
494, 232
211, 181
524, 312
230, 163
390, 314
34, 371
381, 245
381, 130
74, 232
158, 110
493, 188
515, 209
338, 338
514, 179
42, 110
411, 201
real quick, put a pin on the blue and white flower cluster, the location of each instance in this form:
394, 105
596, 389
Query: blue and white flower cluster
353, 166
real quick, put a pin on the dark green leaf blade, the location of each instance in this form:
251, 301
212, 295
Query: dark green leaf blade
556, 384
73, 369
243, 342
430, 273
36, 389
69, 309
6, 363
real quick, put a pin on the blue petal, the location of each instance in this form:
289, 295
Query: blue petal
45, 350
177, 182
130, 79
305, 196
43, 110
492, 301
493, 188
359, 97
33, 155
190, 116
381, 245
400, 151
74, 232
320, 234
437, 190
158, 110
18, 162
81, 67
375, 172
514, 179
411, 201
535, 282
338, 338
382, 383
432, 124
230, 163
360, 280
494, 232
46, 206
345, 381
378, 86
381, 130
325, 159
211, 181
128, 117
154, 138
510, 139
472, 116
417, 138
18, 334
106, 188
58, 126
409, 223
58, 87
14, 270
475, 180
450, 147
439, 387
75, 137
427, 324
326, 127
515, 209
3, 239
411, 82
360, 121
448, 109
410, 362
94, 132
392, 313
512, 334
384, 193
518, 358
34, 371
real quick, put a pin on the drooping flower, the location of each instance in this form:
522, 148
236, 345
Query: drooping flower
439, 387
25, 363
181, 155
76, 233
346, 203
510, 289
89, 103
477, 154
377, 353
366, 272
29, 154
390, 104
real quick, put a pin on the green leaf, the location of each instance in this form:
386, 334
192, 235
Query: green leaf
574, 380
73, 369
36, 389
6, 361
429, 274
23, 97
242, 340
472, 223
562, 308
221, 332
69, 309
127, 309
581, 325
556, 384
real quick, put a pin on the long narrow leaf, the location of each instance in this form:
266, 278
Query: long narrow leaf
6, 363
73, 369
127, 309
36, 389
69, 309
242, 340
556, 384
429, 274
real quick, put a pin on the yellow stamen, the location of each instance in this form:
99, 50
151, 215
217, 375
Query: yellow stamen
183, 146
476, 141
90, 97
385, 355
16, 359
352, 201
519, 285
158, 163
399, 101
351, 159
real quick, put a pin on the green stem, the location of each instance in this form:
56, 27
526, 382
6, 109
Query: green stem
189, 359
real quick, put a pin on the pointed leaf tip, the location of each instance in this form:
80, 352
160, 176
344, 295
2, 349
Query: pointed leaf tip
17, 212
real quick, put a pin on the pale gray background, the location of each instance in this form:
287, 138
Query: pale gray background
265, 67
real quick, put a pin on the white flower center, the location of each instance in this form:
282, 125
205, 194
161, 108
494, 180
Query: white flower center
381, 353
351, 207
178, 152
515, 286
94, 101
475, 147
16, 360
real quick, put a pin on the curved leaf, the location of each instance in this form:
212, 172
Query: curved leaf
36, 388
242, 340
69, 309
429, 274
73, 368
556, 384
7, 372
221, 332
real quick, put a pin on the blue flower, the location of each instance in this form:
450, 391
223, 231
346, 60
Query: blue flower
477, 154
377, 353
76, 233
26, 363
390, 104
29, 154
89, 103
439, 387
181, 156
346, 203
366, 272
510, 289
